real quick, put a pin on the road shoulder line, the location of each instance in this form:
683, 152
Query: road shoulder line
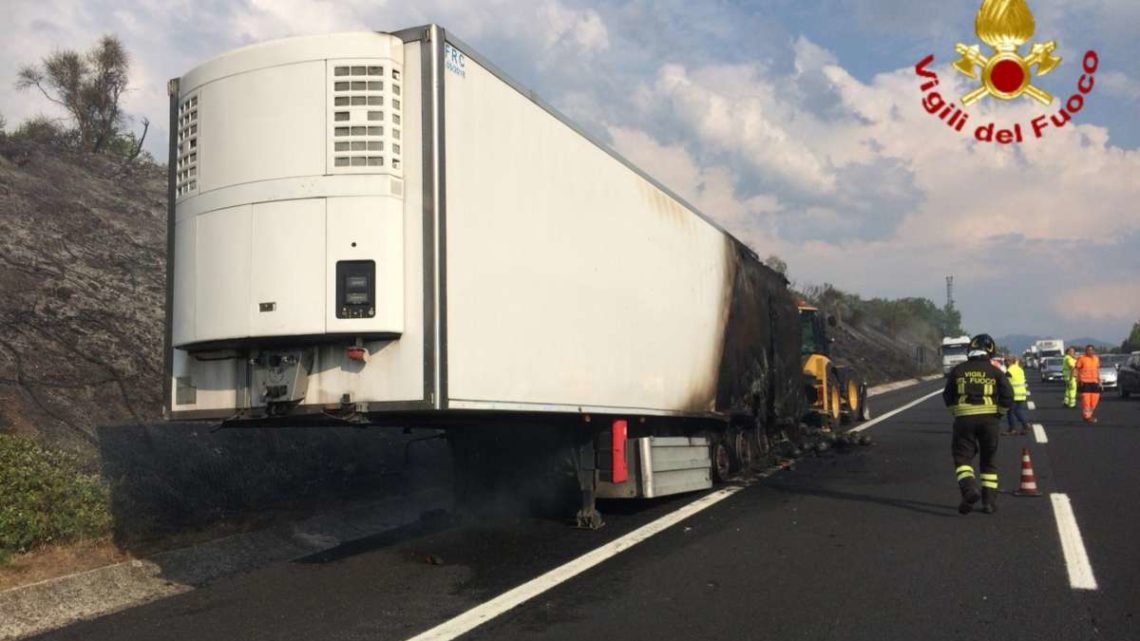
873, 422
897, 385
1072, 544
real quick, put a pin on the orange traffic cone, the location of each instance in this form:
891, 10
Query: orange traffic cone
1028, 481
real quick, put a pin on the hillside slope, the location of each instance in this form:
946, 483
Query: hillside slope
82, 244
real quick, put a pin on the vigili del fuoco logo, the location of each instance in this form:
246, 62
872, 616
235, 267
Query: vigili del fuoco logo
1002, 73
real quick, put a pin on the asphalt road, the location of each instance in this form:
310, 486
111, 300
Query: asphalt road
862, 545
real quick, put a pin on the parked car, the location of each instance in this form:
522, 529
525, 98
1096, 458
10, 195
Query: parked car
1051, 368
1109, 364
1128, 377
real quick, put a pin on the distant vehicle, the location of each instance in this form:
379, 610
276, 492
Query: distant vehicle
1030, 357
1050, 347
1051, 369
1128, 376
1109, 364
954, 350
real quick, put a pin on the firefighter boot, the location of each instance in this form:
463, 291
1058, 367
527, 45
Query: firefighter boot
970, 494
989, 500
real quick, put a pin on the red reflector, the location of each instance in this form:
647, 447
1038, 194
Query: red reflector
355, 353
619, 431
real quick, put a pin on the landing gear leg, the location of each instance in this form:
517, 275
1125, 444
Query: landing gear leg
588, 517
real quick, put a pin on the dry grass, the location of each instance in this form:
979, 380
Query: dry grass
52, 561
58, 560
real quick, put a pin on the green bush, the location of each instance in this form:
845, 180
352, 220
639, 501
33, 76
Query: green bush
46, 498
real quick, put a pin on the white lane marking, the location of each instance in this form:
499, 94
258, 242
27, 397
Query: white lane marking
1076, 558
1032, 405
897, 385
483, 613
1039, 433
869, 424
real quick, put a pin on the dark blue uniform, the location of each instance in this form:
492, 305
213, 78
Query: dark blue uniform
978, 394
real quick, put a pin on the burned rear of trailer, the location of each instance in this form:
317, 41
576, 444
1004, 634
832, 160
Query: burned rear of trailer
375, 226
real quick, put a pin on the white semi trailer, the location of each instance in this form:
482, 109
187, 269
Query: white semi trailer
378, 228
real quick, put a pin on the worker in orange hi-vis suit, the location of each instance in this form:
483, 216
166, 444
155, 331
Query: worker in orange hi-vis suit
1087, 371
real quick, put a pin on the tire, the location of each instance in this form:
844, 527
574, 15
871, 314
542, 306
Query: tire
864, 409
743, 449
761, 444
854, 393
1123, 392
834, 405
721, 460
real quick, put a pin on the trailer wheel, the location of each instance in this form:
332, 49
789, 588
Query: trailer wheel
761, 444
721, 460
743, 449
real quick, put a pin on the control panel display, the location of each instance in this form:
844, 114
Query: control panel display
356, 289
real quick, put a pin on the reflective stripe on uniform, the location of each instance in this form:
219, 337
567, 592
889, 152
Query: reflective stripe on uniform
966, 409
964, 471
990, 481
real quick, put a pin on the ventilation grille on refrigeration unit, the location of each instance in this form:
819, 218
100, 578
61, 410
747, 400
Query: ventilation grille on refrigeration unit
187, 182
366, 118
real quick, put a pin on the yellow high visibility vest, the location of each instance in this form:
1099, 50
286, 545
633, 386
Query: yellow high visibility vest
1017, 380
1067, 368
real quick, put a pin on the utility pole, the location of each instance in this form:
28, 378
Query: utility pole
949, 292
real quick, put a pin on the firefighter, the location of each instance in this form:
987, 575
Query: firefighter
977, 394
1070, 380
1087, 373
1020, 386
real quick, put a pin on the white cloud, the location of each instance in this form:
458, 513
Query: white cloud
1115, 83
845, 153
583, 27
735, 109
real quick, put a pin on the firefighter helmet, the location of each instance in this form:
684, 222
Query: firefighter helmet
982, 346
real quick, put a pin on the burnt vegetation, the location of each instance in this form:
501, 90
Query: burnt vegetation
82, 245
885, 339
89, 88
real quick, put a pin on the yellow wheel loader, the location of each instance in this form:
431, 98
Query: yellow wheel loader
836, 394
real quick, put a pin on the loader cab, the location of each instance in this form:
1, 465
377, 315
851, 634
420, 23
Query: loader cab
835, 394
814, 337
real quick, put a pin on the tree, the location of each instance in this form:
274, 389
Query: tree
1132, 343
88, 86
777, 264
951, 321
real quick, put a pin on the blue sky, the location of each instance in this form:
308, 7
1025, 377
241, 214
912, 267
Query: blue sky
796, 124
